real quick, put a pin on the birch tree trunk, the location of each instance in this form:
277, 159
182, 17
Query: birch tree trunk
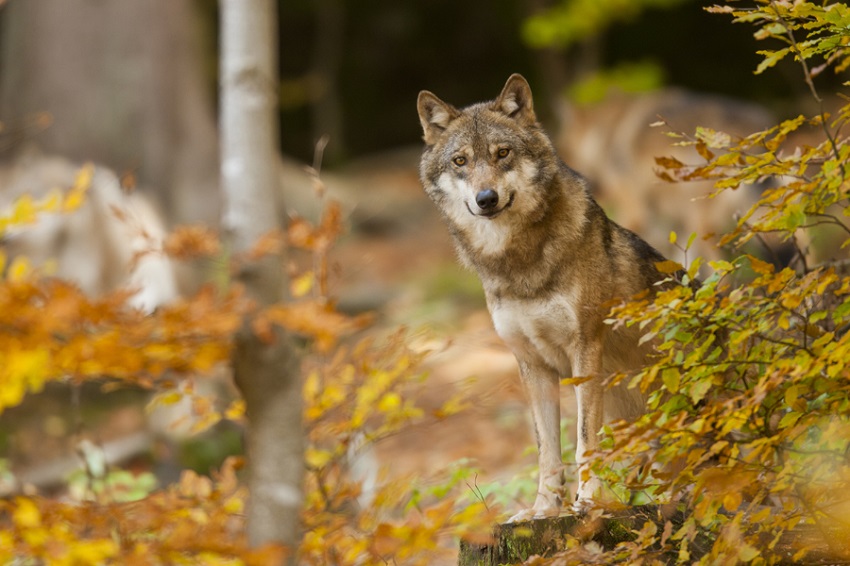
267, 374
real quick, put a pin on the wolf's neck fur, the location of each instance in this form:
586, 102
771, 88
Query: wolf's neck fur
520, 257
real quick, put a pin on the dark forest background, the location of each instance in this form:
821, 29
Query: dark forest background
356, 68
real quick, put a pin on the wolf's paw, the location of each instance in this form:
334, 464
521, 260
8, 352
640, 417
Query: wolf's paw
548, 505
589, 490
581, 507
536, 512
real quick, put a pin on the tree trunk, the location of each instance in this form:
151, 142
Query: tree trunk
123, 85
267, 373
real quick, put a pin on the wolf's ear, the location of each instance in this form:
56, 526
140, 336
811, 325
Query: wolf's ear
516, 101
435, 115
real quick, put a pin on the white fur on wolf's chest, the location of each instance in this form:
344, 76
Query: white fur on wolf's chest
541, 329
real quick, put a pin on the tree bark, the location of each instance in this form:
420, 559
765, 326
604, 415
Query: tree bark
267, 373
123, 84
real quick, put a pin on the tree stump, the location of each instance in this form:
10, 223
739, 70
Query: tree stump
513, 543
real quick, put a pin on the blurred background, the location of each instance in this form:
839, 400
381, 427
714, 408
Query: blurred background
132, 87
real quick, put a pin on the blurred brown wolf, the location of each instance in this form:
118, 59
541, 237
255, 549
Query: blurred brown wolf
612, 144
550, 262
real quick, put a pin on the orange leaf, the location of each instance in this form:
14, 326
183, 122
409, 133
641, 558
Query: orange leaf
704, 152
302, 234
188, 242
386, 541
761, 267
270, 243
315, 319
669, 162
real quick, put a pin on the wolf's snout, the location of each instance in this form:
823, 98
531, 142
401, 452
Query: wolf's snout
487, 199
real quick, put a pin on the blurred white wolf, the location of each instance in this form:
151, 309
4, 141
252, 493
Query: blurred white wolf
91, 246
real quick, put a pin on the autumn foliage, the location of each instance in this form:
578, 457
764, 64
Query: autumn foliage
743, 451
745, 445
355, 393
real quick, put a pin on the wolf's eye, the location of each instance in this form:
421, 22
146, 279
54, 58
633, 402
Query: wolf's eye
460, 161
503, 153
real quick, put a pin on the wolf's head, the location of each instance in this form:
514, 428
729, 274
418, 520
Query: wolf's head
489, 162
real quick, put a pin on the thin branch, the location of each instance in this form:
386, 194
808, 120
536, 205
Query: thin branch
808, 78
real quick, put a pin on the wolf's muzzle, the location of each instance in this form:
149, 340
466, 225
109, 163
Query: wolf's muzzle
487, 200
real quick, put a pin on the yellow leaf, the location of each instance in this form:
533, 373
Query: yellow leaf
236, 410
389, 402
234, 505
317, 458
26, 514
76, 196
731, 501
668, 266
746, 552
673, 237
760, 516
791, 395
28, 367
721, 266
303, 284
169, 398
19, 269
53, 201
24, 210
311, 387
93, 551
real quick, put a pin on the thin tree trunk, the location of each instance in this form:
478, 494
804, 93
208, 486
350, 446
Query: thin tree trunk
266, 373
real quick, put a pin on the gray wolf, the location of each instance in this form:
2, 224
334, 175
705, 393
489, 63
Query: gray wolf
550, 262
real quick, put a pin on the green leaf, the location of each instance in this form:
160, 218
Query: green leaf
789, 419
670, 377
747, 553
771, 59
699, 389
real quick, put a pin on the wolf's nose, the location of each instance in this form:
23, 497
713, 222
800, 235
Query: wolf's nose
487, 199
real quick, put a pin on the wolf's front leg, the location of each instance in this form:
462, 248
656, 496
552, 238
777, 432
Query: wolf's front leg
542, 388
590, 418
